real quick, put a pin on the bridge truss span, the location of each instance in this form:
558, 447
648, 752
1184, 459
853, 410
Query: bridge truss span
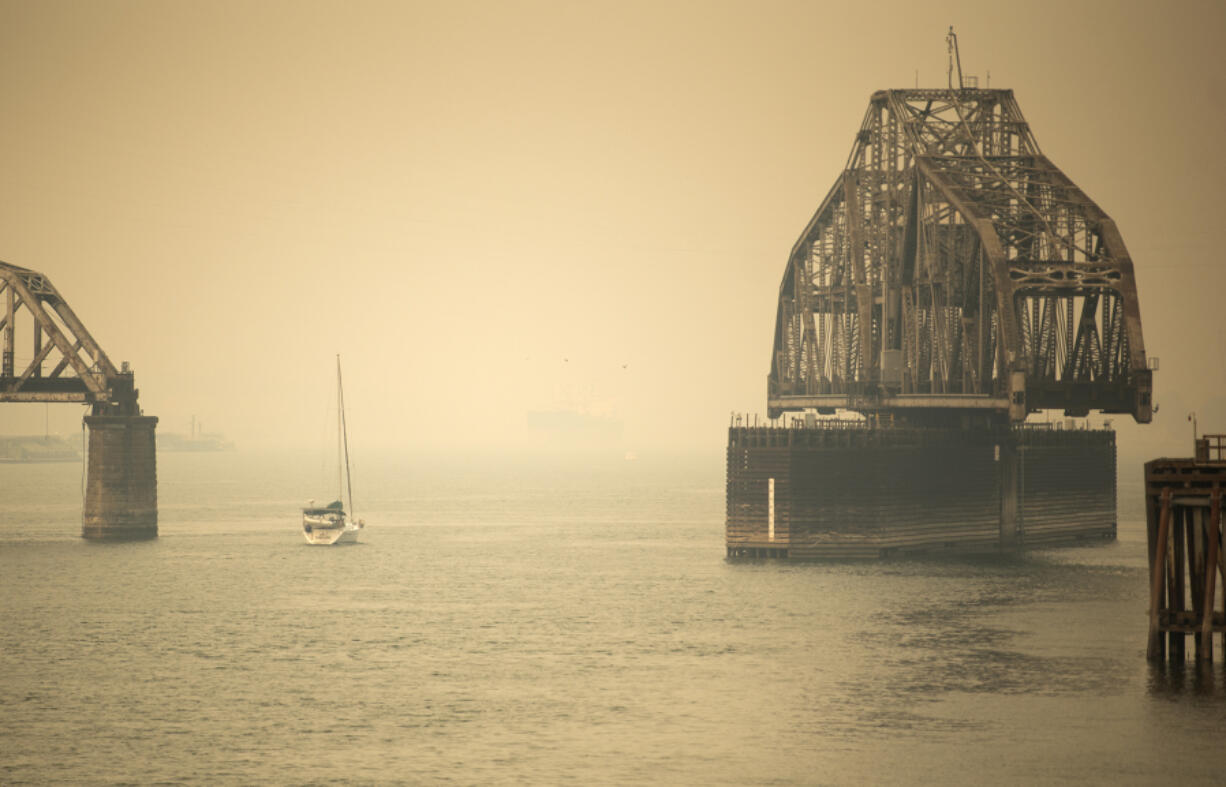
64, 363
953, 268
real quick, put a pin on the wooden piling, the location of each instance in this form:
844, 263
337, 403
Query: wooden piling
1184, 531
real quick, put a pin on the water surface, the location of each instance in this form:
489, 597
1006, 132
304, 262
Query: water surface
558, 622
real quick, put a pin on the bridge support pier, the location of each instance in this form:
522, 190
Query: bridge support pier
846, 489
121, 486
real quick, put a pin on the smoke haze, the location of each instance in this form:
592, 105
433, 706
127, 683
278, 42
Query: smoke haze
493, 209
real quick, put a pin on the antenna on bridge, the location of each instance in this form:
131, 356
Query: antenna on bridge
951, 41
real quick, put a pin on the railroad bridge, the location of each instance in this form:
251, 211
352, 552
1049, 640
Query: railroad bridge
65, 364
953, 267
952, 281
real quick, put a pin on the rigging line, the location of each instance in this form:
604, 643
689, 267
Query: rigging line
340, 391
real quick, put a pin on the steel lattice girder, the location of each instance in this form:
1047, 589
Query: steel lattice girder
82, 371
952, 266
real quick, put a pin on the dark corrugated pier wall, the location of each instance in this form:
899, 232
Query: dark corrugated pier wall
1067, 478
853, 491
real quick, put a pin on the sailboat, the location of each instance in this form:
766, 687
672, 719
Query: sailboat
330, 524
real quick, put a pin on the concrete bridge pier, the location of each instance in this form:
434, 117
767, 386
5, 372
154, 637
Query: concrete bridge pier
121, 501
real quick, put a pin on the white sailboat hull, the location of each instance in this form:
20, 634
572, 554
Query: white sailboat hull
328, 529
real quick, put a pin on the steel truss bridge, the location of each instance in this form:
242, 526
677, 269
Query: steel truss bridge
65, 364
953, 269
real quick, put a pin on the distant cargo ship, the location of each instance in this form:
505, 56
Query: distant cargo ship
204, 442
565, 420
575, 429
20, 450
197, 440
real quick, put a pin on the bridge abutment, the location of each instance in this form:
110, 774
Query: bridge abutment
121, 484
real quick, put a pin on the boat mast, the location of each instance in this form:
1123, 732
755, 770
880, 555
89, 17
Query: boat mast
343, 435
339, 405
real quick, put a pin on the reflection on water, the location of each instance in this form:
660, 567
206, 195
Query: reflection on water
522, 624
1190, 679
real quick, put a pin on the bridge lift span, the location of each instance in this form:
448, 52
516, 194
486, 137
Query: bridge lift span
954, 270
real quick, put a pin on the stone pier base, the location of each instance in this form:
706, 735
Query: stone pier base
121, 500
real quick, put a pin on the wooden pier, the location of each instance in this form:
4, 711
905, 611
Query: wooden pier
1183, 506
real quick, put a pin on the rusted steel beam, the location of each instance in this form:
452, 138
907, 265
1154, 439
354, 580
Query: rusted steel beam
6, 369
87, 341
63, 364
909, 401
46, 396
856, 250
39, 355
37, 366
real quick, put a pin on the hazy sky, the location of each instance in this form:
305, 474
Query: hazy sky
494, 207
